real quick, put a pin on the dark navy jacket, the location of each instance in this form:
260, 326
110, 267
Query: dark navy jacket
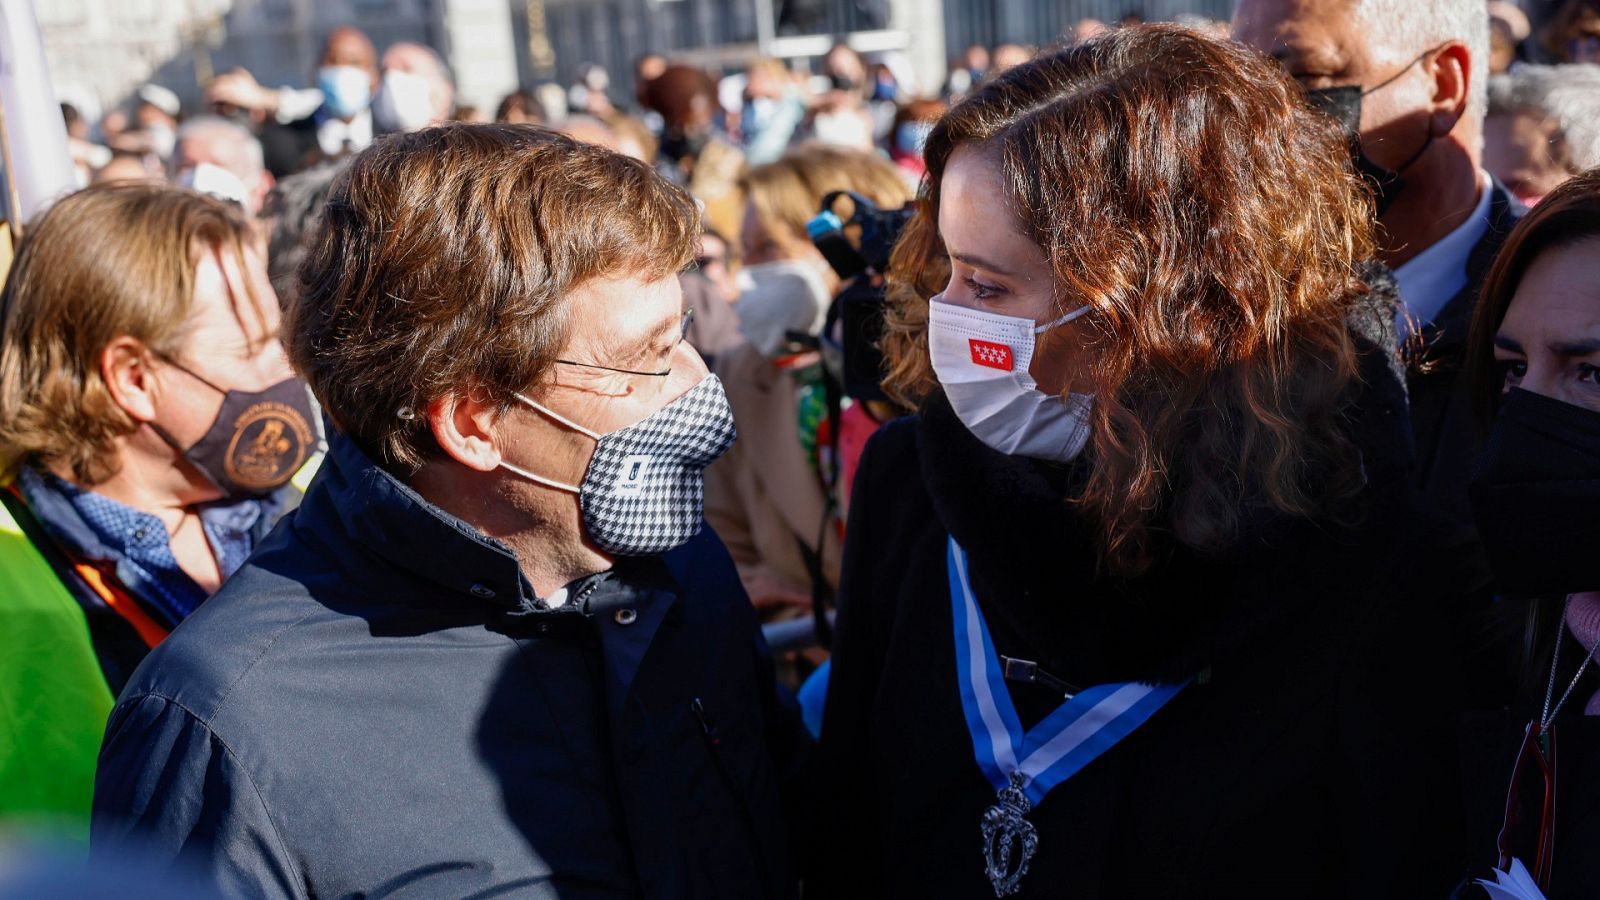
377, 705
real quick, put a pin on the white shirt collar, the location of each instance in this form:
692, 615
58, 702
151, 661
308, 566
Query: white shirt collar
1431, 278
332, 134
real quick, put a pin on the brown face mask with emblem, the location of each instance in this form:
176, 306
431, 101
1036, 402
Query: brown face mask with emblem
258, 441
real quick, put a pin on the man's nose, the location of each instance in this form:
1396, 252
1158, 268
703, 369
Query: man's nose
688, 370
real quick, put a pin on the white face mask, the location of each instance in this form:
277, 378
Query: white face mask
404, 102
163, 140
346, 90
779, 297
215, 180
982, 359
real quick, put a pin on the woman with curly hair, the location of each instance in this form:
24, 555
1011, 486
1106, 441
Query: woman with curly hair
1117, 608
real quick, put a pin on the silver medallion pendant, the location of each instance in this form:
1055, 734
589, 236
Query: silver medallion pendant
1006, 834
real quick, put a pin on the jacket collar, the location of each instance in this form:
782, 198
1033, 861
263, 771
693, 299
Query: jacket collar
353, 499
57, 506
1446, 335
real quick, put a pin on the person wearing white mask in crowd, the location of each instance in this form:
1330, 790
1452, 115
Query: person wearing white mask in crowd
155, 116
222, 158
1116, 612
766, 498
416, 89
840, 115
341, 123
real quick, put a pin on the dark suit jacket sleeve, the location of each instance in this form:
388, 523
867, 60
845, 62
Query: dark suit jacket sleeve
792, 752
169, 791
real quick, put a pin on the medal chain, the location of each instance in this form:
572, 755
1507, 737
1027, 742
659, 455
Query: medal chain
1549, 714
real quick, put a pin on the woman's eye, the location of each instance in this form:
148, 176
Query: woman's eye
1589, 374
1511, 371
980, 290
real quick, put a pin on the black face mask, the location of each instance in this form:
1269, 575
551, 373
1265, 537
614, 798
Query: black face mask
1536, 496
1344, 105
258, 441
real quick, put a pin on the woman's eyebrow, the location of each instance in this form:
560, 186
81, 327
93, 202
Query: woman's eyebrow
1576, 348
1505, 342
978, 262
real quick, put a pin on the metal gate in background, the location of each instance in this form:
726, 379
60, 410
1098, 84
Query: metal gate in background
615, 33
1041, 23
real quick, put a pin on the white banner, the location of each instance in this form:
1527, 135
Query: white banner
40, 166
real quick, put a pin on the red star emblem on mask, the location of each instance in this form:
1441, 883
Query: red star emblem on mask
991, 355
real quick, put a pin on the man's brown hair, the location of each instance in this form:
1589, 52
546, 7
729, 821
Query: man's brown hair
109, 261
443, 260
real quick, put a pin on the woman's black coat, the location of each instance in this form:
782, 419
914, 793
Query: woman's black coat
1305, 766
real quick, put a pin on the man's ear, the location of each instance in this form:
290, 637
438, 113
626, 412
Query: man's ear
1452, 86
129, 378
465, 426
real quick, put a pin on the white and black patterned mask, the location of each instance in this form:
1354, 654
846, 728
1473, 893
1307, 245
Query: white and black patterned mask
644, 490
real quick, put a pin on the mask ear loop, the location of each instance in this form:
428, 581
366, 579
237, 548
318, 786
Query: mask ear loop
539, 407
1077, 313
539, 479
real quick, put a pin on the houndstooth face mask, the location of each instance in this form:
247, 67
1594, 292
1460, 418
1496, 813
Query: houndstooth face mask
644, 490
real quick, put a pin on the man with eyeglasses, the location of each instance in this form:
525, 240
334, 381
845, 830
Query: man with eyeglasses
1408, 79
494, 652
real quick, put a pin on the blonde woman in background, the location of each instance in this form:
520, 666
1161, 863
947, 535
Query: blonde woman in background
768, 498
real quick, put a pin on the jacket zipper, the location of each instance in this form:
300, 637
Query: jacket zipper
708, 730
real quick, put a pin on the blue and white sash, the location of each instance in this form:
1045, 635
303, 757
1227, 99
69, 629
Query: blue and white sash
1068, 739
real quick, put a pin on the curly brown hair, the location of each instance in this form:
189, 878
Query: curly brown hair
1182, 188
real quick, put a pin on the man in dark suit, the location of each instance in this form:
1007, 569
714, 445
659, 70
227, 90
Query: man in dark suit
1415, 83
1412, 78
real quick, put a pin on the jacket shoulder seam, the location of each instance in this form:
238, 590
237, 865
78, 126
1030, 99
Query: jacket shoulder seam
228, 689
244, 770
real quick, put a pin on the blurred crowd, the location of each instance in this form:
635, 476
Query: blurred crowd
888, 291
704, 129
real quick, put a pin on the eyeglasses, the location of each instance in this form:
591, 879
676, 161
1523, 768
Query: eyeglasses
1535, 770
683, 335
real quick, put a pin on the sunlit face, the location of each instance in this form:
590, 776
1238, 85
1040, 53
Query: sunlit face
228, 341
1549, 342
1518, 149
348, 47
1329, 43
996, 267
623, 322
